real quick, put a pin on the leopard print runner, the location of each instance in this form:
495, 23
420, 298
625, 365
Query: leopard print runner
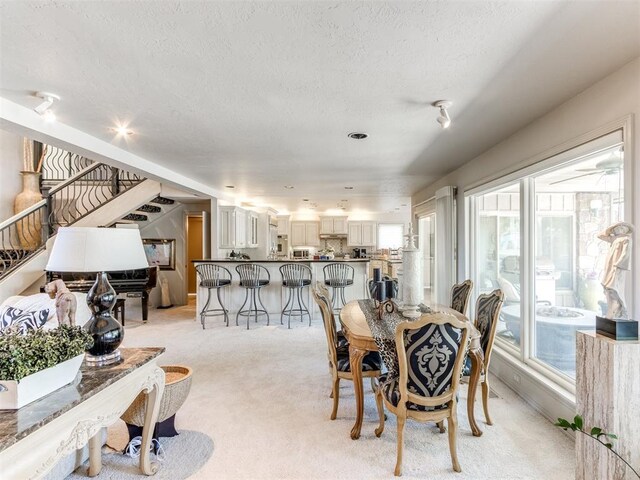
384, 332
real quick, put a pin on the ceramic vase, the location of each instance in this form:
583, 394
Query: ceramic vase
29, 230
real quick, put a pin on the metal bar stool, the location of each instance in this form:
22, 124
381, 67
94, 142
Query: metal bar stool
295, 277
338, 276
252, 278
213, 277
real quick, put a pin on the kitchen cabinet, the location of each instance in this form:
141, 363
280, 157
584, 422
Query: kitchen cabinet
305, 234
233, 227
283, 224
333, 225
362, 234
252, 229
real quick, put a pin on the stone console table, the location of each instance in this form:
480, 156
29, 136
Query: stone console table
608, 396
35, 437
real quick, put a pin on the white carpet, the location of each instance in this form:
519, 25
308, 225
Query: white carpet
263, 397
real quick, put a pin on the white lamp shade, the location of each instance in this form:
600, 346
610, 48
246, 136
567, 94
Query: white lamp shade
83, 249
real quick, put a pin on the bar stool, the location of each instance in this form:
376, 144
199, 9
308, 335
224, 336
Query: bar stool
338, 276
252, 278
295, 277
213, 277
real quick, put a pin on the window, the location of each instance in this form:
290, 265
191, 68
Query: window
390, 235
498, 255
427, 240
536, 237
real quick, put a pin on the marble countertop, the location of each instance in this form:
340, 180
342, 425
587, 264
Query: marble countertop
305, 260
17, 424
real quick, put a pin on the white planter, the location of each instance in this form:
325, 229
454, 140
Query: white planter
14, 395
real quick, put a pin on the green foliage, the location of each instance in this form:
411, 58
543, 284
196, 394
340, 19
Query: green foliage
23, 355
596, 433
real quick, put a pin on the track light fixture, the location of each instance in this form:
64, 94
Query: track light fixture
43, 108
444, 119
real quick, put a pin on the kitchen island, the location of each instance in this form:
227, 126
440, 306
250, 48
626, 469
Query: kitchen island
274, 296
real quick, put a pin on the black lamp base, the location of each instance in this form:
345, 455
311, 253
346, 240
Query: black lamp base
106, 331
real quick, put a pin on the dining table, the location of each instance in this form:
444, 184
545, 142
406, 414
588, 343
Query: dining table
361, 341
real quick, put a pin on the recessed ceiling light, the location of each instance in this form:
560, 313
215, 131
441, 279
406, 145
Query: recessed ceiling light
403, 205
348, 188
229, 186
358, 135
289, 187
305, 199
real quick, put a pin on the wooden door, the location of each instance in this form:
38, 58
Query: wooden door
194, 250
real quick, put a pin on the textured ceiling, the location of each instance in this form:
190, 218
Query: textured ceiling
260, 95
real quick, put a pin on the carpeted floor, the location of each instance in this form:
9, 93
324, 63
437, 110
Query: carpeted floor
262, 397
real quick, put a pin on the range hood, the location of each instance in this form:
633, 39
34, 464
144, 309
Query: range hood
332, 235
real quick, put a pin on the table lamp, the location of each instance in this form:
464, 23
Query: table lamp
100, 250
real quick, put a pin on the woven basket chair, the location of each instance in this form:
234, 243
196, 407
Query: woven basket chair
175, 393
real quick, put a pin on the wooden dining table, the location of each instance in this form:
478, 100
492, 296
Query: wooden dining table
361, 341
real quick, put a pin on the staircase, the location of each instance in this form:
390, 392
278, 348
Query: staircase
92, 194
146, 214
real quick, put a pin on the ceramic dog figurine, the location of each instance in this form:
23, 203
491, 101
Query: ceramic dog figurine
66, 303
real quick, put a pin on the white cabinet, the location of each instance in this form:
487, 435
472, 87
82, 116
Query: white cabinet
252, 229
283, 224
233, 227
333, 225
305, 234
362, 234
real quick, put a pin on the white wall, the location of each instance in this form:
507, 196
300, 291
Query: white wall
605, 103
609, 100
172, 225
10, 166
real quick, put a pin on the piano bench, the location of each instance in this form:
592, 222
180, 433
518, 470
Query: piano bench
118, 310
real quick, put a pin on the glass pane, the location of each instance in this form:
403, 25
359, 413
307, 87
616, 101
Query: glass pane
498, 255
427, 239
573, 204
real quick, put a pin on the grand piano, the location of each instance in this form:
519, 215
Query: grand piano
139, 281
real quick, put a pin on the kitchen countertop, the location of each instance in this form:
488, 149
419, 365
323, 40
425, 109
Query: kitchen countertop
305, 260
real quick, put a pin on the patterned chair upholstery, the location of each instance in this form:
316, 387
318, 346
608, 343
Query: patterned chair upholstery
338, 348
488, 308
460, 294
430, 355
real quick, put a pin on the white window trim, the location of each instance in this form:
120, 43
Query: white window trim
612, 134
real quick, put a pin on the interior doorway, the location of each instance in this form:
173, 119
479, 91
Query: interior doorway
195, 249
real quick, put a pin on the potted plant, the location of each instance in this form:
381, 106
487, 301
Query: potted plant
35, 364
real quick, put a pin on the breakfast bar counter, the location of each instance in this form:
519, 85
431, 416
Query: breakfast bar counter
274, 295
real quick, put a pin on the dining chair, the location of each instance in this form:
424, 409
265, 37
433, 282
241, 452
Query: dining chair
460, 294
430, 356
488, 308
338, 350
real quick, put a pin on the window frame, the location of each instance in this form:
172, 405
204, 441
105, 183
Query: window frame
525, 176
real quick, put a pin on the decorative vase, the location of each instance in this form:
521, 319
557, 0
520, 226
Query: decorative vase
29, 229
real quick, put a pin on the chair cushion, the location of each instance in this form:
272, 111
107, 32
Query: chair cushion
296, 283
370, 362
391, 391
336, 282
342, 345
466, 367
214, 283
253, 283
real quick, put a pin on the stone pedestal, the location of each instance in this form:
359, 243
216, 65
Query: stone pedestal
607, 396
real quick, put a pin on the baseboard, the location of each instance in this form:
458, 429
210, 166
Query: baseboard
548, 399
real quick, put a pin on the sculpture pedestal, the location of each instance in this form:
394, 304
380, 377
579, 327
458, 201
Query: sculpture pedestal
607, 396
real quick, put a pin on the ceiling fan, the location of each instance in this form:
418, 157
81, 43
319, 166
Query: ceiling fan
609, 166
